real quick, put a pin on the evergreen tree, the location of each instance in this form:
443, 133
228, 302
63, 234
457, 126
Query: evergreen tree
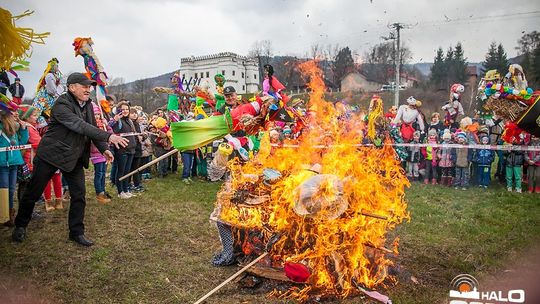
502, 59
448, 64
459, 64
438, 70
491, 58
496, 59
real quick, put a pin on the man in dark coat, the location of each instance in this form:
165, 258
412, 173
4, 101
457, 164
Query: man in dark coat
66, 146
17, 91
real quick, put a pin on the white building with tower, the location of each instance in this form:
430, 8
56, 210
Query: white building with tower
240, 72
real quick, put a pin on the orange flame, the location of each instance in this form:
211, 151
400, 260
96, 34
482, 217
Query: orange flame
335, 222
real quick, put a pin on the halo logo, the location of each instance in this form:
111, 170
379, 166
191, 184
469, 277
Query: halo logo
465, 286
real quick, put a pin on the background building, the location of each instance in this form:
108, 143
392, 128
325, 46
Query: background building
241, 72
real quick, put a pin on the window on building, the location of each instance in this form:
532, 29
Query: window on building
242, 74
233, 73
254, 76
223, 72
207, 74
243, 88
195, 75
183, 76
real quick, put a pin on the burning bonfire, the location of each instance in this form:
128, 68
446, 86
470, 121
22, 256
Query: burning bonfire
321, 208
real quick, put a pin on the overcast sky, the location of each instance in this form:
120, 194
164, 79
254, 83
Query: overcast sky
142, 38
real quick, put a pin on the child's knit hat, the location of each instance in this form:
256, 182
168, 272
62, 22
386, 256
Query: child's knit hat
26, 111
447, 135
461, 134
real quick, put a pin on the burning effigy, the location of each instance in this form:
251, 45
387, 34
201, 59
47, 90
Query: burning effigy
320, 210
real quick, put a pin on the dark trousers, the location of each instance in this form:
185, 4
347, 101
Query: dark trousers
123, 165
162, 164
194, 166
41, 175
135, 164
484, 175
431, 170
172, 164
145, 160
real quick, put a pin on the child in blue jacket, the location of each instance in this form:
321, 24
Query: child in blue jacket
484, 158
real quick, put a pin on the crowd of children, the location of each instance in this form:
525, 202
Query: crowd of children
463, 167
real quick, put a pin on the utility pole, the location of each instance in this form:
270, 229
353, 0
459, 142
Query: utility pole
397, 27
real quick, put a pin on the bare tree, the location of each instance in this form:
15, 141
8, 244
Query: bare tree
331, 51
263, 51
316, 51
142, 92
380, 61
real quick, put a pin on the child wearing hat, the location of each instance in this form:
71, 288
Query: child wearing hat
463, 157
514, 167
483, 159
413, 158
446, 160
30, 115
430, 158
13, 132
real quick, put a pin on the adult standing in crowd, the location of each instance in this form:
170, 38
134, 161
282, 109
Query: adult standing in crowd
66, 146
17, 91
124, 155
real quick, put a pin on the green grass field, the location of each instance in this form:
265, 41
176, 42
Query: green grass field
156, 248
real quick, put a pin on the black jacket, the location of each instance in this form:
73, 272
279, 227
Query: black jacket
12, 89
125, 125
71, 128
513, 158
138, 144
4, 78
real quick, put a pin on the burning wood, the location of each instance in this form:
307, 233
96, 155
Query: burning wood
332, 208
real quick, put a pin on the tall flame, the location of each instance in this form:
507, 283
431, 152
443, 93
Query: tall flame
334, 221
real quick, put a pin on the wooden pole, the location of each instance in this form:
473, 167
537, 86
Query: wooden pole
231, 278
149, 164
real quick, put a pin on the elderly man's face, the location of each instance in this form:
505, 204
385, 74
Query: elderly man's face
81, 92
230, 99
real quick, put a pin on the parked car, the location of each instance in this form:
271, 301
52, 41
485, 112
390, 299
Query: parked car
390, 87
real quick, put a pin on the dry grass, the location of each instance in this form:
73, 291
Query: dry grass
157, 248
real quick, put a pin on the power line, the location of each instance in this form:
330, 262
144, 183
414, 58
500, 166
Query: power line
450, 20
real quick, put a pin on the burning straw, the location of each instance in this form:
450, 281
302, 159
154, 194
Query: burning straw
332, 207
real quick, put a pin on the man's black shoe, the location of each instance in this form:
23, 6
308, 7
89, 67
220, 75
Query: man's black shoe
80, 239
19, 234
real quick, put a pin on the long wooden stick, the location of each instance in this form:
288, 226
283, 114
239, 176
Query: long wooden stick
149, 164
231, 278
